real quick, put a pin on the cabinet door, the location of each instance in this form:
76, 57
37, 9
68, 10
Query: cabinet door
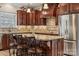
24, 18
60, 47
74, 7
19, 17
51, 9
38, 20
5, 41
36, 17
28, 19
63, 9
33, 18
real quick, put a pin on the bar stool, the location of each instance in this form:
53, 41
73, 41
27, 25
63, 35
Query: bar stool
31, 46
22, 46
12, 45
44, 47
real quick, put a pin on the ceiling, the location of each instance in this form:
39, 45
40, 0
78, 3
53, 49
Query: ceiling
13, 7
26, 5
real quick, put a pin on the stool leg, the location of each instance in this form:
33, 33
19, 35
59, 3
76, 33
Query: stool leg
9, 52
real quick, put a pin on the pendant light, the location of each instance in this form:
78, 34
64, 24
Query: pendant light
28, 9
45, 9
45, 6
44, 12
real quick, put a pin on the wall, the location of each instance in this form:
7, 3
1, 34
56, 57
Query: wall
8, 8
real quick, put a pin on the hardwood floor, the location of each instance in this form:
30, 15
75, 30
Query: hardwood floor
4, 53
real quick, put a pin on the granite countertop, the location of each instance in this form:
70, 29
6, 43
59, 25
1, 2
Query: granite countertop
40, 36
47, 37
46, 33
44, 37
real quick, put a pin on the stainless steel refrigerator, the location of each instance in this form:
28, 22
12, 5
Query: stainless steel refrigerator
67, 28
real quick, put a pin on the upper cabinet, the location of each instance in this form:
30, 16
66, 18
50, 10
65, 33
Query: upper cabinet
62, 8
37, 17
19, 17
74, 7
33, 18
67, 8
24, 18
51, 11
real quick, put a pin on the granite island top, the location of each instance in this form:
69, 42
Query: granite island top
44, 37
38, 36
45, 33
47, 37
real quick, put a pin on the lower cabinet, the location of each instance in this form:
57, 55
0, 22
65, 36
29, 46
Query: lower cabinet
57, 47
5, 41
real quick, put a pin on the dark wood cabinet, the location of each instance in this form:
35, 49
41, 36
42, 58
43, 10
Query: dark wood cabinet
63, 9
37, 18
28, 19
24, 19
67, 8
57, 47
33, 18
5, 41
51, 11
74, 7
19, 17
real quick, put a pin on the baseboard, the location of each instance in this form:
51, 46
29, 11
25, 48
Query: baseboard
4, 49
68, 55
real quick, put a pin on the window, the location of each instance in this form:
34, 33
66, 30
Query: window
8, 20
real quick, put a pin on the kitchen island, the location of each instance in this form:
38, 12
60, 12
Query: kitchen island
54, 42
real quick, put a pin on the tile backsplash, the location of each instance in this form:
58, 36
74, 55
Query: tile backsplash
51, 25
